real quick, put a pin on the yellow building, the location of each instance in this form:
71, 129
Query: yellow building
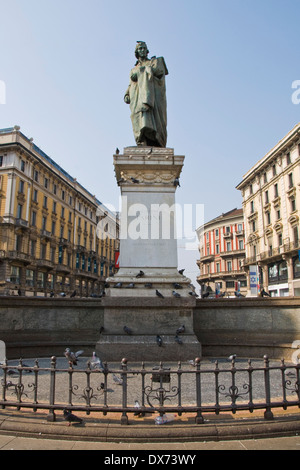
271, 205
55, 237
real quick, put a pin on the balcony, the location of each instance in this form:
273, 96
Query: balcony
15, 255
232, 253
45, 234
45, 264
206, 258
62, 268
227, 235
240, 233
22, 223
64, 242
221, 275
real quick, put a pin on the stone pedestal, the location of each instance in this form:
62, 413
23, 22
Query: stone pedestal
145, 318
148, 180
148, 295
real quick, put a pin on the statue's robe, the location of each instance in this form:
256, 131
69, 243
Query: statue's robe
147, 87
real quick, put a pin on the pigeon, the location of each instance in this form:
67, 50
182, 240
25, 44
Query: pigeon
71, 356
158, 340
178, 340
127, 330
96, 362
148, 284
62, 294
121, 180
192, 363
159, 294
73, 294
177, 286
117, 151
264, 293
68, 416
101, 329
8, 384
222, 294
192, 293
290, 374
130, 285
204, 296
176, 182
137, 406
134, 180
232, 357
181, 271
180, 330
117, 379
238, 294
175, 294
118, 285
140, 274
27, 370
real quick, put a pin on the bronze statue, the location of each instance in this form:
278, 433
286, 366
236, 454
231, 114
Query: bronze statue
146, 95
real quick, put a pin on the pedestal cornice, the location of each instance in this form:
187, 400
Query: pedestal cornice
148, 165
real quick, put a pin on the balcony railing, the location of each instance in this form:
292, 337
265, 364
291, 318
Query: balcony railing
221, 274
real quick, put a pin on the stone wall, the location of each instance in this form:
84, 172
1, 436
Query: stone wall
36, 327
249, 327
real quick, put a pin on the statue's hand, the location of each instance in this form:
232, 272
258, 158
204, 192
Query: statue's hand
145, 108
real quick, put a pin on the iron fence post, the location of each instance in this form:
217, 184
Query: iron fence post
199, 418
51, 415
268, 413
36, 374
124, 417
4, 383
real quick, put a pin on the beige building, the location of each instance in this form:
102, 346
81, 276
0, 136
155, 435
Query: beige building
55, 237
222, 253
271, 204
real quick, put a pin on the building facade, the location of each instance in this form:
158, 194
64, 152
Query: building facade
222, 253
55, 237
271, 204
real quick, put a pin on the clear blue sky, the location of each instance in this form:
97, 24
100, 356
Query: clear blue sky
231, 66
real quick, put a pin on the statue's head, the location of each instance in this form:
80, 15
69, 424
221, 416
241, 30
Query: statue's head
141, 45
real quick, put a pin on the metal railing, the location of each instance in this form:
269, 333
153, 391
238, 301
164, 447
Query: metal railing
194, 387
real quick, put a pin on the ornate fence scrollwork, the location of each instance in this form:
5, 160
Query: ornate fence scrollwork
199, 387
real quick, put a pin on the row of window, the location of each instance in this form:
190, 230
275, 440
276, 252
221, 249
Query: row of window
218, 267
274, 171
276, 194
227, 231
68, 198
44, 280
101, 250
229, 247
20, 209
